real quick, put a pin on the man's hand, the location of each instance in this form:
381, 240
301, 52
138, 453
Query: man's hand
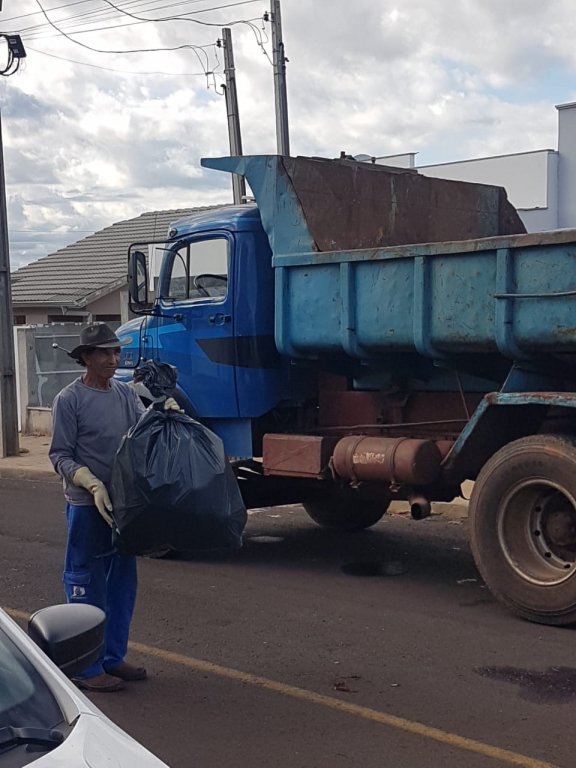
85, 479
171, 405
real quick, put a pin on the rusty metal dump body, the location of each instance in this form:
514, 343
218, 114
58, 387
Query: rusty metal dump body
309, 204
372, 261
350, 205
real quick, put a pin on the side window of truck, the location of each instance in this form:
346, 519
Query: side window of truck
199, 270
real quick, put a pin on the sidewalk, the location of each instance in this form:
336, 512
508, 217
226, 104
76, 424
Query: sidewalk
32, 462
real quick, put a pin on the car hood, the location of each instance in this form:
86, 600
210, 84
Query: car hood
97, 743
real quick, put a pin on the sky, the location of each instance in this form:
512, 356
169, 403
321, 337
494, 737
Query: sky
109, 114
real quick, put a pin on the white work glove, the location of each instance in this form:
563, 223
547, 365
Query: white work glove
85, 479
171, 405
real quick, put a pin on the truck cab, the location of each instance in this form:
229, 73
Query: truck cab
212, 317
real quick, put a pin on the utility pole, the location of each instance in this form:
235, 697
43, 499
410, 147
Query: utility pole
8, 404
235, 138
279, 63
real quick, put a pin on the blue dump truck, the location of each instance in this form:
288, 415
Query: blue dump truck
364, 334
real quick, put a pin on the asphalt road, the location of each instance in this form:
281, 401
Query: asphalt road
284, 655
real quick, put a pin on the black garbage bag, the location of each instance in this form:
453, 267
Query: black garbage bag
159, 379
173, 488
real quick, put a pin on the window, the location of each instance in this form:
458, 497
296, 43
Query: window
67, 318
110, 319
19, 320
198, 270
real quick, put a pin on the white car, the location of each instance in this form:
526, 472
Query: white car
45, 721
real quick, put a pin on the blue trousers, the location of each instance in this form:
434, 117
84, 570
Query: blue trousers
95, 575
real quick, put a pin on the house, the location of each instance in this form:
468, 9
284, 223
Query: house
86, 281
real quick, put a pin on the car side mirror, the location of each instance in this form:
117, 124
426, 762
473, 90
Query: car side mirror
138, 281
72, 635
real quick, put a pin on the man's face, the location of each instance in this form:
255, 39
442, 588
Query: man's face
102, 363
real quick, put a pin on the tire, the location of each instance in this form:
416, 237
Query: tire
522, 516
345, 511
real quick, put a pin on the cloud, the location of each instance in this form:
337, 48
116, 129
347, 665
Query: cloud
86, 146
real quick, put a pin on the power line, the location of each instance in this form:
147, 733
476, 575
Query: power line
94, 14
140, 19
118, 10
96, 11
100, 50
122, 71
60, 31
35, 13
35, 32
184, 17
196, 49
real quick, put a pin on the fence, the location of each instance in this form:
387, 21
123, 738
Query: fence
42, 371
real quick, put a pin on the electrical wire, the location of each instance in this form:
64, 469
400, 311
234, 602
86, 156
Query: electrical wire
209, 72
98, 11
198, 50
79, 21
64, 26
100, 50
184, 17
121, 71
116, 11
35, 13
261, 37
91, 16
60, 31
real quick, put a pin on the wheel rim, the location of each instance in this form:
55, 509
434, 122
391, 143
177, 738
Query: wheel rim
537, 531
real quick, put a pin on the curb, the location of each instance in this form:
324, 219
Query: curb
27, 473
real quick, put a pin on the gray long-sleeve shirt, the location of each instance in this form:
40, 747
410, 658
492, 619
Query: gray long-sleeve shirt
87, 427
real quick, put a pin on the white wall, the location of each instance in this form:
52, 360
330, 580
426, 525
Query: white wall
524, 175
17, 364
407, 160
567, 165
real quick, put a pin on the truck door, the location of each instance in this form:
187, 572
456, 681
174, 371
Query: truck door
195, 328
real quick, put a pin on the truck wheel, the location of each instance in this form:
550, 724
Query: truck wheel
346, 512
523, 527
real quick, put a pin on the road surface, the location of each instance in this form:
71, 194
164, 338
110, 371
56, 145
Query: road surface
312, 649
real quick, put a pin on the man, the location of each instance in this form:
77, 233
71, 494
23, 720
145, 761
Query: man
90, 417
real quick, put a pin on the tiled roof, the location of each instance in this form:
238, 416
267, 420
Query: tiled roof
97, 264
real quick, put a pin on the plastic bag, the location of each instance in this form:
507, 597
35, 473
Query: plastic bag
172, 488
155, 380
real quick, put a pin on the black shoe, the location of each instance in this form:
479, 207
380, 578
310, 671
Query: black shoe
127, 671
99, 683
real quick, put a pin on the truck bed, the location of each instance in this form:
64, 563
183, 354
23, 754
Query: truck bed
513, 295
471, 285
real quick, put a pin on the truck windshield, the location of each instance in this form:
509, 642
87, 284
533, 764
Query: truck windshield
197, 270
